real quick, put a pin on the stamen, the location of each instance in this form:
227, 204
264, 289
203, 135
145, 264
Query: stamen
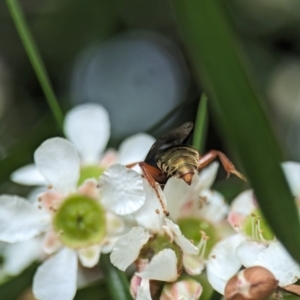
260, 231
253, 216
202, 244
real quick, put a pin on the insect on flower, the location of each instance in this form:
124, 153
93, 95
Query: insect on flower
170, 156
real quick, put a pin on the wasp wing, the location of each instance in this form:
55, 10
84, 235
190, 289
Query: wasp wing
177, 136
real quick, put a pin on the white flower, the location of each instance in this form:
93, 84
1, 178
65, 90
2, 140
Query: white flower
273, 256
87, 126
229, 255
197, 202
20, 220
153, 225
249, 248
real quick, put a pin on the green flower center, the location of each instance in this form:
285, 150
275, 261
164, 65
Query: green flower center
191, 227
88, 172
256, 227
80, 221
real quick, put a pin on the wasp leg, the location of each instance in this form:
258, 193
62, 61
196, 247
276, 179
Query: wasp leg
227, 164
129, 166
152, 174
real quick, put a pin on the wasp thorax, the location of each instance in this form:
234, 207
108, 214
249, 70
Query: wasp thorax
80, 222
180, 161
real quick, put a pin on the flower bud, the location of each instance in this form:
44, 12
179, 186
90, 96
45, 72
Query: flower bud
255, 283
183, 289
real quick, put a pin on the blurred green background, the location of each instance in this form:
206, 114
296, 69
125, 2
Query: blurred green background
75, 36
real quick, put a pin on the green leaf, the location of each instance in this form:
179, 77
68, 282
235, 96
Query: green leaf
116, 280
11, 289
35, 59
218, 60
200, 128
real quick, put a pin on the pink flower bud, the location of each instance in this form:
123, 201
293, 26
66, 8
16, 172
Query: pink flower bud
184, 289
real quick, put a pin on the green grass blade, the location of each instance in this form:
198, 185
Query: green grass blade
218, 61
200, 128
35, 59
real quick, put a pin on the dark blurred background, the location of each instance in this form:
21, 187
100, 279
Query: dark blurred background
130, 57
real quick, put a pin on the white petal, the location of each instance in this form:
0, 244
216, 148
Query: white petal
207, 176
89, 256
292, 173
177, 192
58, 160
216, 282
163, 267
241, 207
248, 251
152, 213
20, 220
122, 190
143, 292
135, 148
115, 224
215, 209
51, 242
244, 203
87, 126
28, 175
279, 262
186, 246
56, 277
19, 256
127, 248
223, 261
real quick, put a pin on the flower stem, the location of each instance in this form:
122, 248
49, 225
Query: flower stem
35, 58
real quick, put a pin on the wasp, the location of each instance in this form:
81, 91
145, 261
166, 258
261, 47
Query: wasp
170, 156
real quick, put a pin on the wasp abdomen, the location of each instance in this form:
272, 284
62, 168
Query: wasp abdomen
179, 161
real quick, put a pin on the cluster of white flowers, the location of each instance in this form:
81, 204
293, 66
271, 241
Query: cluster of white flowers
90, 203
